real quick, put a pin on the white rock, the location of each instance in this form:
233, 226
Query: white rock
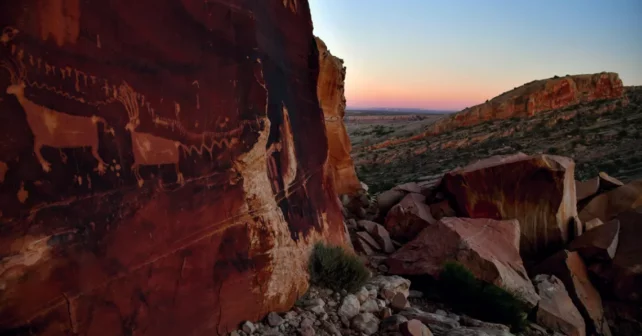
370, 306
349, 307
362, 294
393, 283
366, 323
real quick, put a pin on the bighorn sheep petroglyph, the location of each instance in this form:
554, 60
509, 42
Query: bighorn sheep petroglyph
53, 128
148, 149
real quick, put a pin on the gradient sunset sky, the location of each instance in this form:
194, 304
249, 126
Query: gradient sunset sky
450, 54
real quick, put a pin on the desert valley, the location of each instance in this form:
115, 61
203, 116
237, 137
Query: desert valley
200, 171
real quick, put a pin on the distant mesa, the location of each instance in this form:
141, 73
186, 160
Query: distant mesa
528, 100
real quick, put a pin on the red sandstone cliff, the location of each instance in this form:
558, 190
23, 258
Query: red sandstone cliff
535, 97
330, 90
162, 164
528, 100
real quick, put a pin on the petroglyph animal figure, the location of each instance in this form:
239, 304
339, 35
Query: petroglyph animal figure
148, 149
53, 128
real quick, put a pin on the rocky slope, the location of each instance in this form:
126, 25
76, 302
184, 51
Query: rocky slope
330, 89
159, 174
528, 100
600, 136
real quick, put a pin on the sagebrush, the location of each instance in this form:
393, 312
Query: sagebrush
335, 268
481, 299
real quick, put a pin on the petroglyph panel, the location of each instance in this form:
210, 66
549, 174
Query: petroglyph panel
159, 174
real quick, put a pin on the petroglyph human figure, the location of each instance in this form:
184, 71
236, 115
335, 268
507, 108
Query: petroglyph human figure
148, 149
53, 128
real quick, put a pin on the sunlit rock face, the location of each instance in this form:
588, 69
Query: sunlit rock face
161, 164
330, 90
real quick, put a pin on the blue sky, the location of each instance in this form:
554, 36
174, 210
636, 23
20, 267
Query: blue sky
455, 53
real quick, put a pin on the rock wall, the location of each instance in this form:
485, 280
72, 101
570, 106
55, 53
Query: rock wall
161, 164
330, 90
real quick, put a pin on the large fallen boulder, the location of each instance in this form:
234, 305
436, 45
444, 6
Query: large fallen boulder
387, 199
166, 194
623, 275
571, 270
598, 244
609, 204
406, 219
488, 248
538, 191
556, 310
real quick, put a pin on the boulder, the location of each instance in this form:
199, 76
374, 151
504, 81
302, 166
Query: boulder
410, 187
593, 223
406, 219
248, 327
392, 283
362, 295
556, 310
599, 243
586, 189
488, 248
166, 194
369, 306
392, 323
438, 324
414, 328
364, 247
608, 182
609, 204
367, 225
399, 302
330, 92
273, 319
387, 199
623, 275
571, 270
385, 313
441, 209
350, 307
538, 191
381, 236
366, 323
366, 237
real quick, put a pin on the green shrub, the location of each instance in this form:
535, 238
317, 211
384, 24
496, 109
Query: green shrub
334, 268
480, 299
